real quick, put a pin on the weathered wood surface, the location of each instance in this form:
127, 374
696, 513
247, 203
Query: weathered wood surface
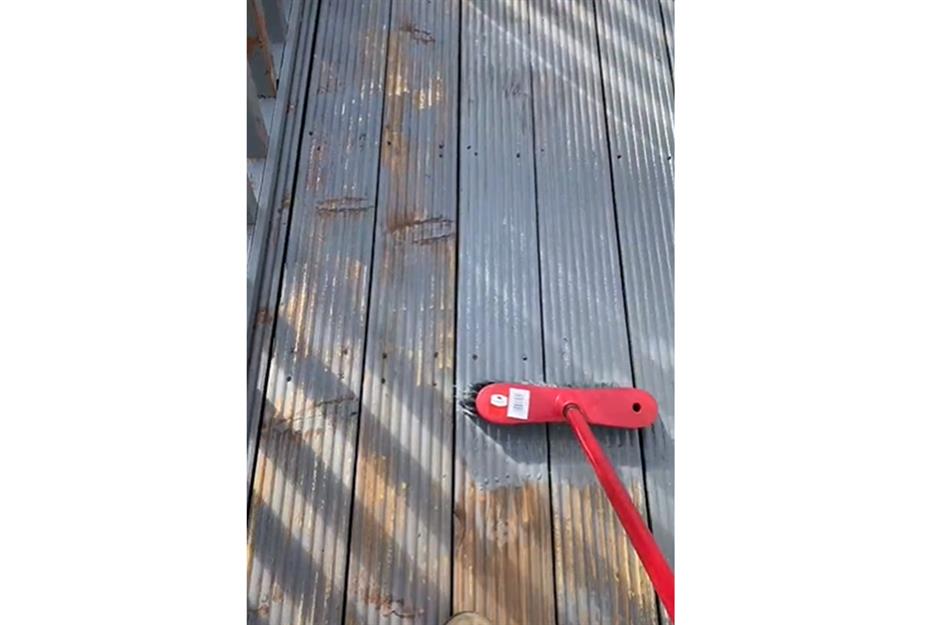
275, 201
257, 132
400, 543
502, 534
638, 95
260, 55
302, 493
539, 247
598, 577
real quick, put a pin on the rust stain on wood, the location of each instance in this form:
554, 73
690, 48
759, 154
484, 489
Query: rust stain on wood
503, 551
263, 316
421, 231
401, 509
259, 44
395, 149
612, 567
345, 204
418, 34
254, 45
317, 161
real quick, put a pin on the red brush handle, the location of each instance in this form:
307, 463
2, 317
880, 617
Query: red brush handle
652, 558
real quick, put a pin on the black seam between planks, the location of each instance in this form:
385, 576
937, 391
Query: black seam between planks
669, 49
365, 340
623, 283
538, 252
278, 285
458, 393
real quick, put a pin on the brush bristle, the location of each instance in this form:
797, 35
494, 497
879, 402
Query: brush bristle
468, 398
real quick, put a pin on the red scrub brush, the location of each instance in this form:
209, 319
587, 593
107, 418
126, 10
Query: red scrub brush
521, 404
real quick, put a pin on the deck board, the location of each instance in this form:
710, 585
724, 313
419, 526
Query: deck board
269, 236
503, 544
638, 93
400, 544
483, 191
301, 500
597, 574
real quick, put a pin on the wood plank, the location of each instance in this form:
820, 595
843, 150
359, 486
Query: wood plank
276, 192
638, 93
400, 562
252, 204
257, 132
301, 497
275, 17
598, 578
260, 58
502, 534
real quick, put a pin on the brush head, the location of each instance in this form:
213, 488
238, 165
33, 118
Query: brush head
506, 403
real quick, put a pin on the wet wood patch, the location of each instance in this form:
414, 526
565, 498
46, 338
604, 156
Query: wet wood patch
503, 552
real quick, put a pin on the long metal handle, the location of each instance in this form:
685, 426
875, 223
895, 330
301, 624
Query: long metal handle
643, 542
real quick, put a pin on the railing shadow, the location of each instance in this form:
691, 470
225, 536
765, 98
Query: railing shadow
283, 569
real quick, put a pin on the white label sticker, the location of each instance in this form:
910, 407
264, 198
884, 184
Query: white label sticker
518, 403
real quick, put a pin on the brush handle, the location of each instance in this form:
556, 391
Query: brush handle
643, 542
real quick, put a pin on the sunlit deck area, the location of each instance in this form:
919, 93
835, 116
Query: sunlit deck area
449, 192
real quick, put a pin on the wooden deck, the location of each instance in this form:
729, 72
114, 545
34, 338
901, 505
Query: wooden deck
482, 190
